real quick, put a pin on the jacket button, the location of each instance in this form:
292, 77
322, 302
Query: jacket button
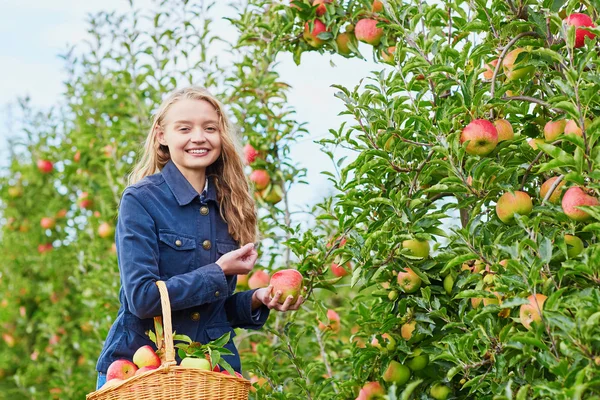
206, 245
178, 243
195, 316
204, 210
217, 293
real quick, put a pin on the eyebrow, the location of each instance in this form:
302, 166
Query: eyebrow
190, 122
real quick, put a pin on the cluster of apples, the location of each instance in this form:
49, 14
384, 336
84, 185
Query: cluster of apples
336, 268
365, 30
267, 190
289, 281
144, 359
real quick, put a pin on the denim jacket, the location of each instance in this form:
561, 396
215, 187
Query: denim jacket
167, 231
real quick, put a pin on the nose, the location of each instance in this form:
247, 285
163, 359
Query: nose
198, 136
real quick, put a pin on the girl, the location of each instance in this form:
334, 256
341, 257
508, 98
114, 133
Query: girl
181, 220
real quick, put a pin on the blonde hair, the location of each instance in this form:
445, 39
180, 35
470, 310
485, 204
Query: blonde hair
236, 204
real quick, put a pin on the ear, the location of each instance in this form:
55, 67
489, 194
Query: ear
160, 136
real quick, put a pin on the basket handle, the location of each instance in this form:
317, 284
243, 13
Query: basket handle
168, 355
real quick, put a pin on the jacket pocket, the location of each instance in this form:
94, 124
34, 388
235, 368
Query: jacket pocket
177, 253
226, 247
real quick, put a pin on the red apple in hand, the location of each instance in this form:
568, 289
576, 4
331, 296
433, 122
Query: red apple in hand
146, 357
261, 178
482, 136
366, 30
121, 369
577, 20
45, 166
289, 282
576, 197
259, 279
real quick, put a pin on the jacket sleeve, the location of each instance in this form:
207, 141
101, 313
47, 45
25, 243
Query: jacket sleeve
138, 257
239, 311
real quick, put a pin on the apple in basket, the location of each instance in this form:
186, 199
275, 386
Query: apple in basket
198, 363
121, 369
112, 382
236, 374
146, 357
144, 369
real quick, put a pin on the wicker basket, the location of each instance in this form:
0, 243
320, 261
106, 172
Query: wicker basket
172, 382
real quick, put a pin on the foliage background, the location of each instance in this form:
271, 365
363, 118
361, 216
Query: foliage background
408, 175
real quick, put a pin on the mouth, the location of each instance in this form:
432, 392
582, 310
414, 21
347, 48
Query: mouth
197, 152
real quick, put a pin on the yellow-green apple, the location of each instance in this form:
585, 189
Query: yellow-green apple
272, 194
531, 311
45, 166
408, 281
407, 329
146, 357
112, 382
197, 363
366, 30
85, 201
258, 279
371, 391
439, 391
574, 245
341, 270
513, 71
577, 20
250, 153
482, 136
261, 178
534, 143
105, 230
333, 324
242, 281
575, 197
396, 373
510, 204
121, 369
555, 196
553, 129
377, 6
418, 361
497, 301
387, 55
448, 283
572, 127
47, 223
390, 342
311, 37
15, 191
342, 41
489, 69
289, 282
504, 129
416, 247
320, 4
474, 266
144, 369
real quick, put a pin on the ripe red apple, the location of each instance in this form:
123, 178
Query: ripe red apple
504, 129
371, 391
45, 166
112, 382
396, 373
273, 195
44, 248
121, 369
556, 194
250, 154
85, 201
575, 197
320, 4
261, 178
577, 20
342, 41
377, 6
409, 281
512, 71
574, 245
482, 136
105, 230
416, 247
387, 55
553, 129
259, 279
144, 369
242, 281
489, 69
77, 156
366, 30
61, 213
289, 282
47, 223
146, 357
572, 127
237, 374
311, 37
339, 270
529, 313
197, 363
333, 319
510, 204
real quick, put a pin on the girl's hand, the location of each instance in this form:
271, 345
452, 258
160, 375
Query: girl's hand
263, 296
240, 261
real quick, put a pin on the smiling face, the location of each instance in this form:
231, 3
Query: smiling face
192, 132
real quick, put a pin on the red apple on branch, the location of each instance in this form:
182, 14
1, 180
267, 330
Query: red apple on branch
311, 36
577, 20
47, 223
572, 127
482, 136
553, 129
504, 129
45, 166
408, 281
516, 71
259, 279
105, 230
321, 8
250, 154
396, 373
531, 312
366, 30
510, 204
85, 201
556, 194
576, 197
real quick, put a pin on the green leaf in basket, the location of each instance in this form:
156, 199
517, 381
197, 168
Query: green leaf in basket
224, 364
152, 337
181, 353
220, 342
224, 351
183, 338
198, 354
215, 357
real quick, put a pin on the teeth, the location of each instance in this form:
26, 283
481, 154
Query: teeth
197, 151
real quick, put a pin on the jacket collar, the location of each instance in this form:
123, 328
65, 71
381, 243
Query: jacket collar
182, 189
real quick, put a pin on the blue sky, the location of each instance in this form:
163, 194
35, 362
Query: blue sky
34, 32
